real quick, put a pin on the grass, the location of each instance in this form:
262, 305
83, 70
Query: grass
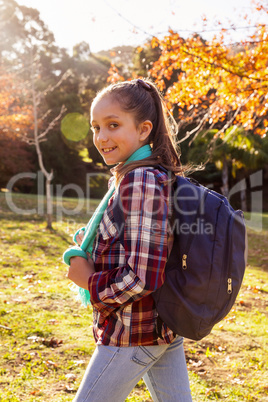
46, 337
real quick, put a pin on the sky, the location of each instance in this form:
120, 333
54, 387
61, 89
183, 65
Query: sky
104, 24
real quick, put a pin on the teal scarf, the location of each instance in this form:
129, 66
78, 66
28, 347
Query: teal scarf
93, 224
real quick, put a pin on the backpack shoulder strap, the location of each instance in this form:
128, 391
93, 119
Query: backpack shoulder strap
118, 211
119, 217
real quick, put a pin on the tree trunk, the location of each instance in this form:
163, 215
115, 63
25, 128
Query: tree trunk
243, 192
243, 200
224, 176
39, 137
48, 176
49, 201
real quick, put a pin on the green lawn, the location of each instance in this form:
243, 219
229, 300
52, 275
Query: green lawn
46, 337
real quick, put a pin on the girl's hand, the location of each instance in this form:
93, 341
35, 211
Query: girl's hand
79, 237
80, 270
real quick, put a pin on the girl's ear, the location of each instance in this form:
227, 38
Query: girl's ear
145, 129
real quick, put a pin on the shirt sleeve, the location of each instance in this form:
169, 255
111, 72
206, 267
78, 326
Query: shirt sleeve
145, 208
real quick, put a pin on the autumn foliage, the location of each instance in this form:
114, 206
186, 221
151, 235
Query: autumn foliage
15, 121
114, 75
215, 85
15, 115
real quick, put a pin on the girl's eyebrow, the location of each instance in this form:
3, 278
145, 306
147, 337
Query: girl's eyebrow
111, 116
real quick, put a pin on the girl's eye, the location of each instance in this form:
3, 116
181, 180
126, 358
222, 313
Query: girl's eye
113, 125
95, 128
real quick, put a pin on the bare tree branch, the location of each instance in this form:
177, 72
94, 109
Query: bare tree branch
51, 88
51, 124
45, 115
196, 129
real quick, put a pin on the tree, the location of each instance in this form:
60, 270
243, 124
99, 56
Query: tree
27, 49
209, 85
15, 119
217, 85
25, 36
22, 31
40, 134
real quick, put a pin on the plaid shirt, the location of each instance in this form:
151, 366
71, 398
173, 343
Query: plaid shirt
123, 308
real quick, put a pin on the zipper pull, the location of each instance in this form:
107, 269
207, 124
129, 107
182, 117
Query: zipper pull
229, 288
184, 264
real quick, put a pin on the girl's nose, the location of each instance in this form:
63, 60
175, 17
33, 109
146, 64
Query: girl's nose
102, 136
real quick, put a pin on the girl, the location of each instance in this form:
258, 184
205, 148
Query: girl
131, 132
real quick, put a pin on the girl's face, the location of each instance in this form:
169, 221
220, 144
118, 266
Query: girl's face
116, 135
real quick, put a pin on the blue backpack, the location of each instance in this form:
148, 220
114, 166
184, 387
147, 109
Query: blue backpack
206, 265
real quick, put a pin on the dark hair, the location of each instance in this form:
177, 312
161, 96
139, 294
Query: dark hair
144, 101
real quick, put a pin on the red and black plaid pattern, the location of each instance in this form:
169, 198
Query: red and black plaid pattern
123, 308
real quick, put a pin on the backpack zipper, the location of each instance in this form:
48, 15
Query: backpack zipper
229, 280
232, 218
229, 287
184, 263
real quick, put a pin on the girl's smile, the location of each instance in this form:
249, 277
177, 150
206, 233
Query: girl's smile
108, 150
116, 134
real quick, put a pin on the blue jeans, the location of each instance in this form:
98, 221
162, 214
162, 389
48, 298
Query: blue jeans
113, 372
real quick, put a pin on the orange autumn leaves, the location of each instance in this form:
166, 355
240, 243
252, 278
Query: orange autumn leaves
15, 122
213, 84
15, 115
210, 83
114, 75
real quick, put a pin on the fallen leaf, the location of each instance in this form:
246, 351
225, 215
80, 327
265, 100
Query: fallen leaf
71, 377
69, 388
51, 363
53, 321
79, 362
196, 364
52, 343
237, 381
